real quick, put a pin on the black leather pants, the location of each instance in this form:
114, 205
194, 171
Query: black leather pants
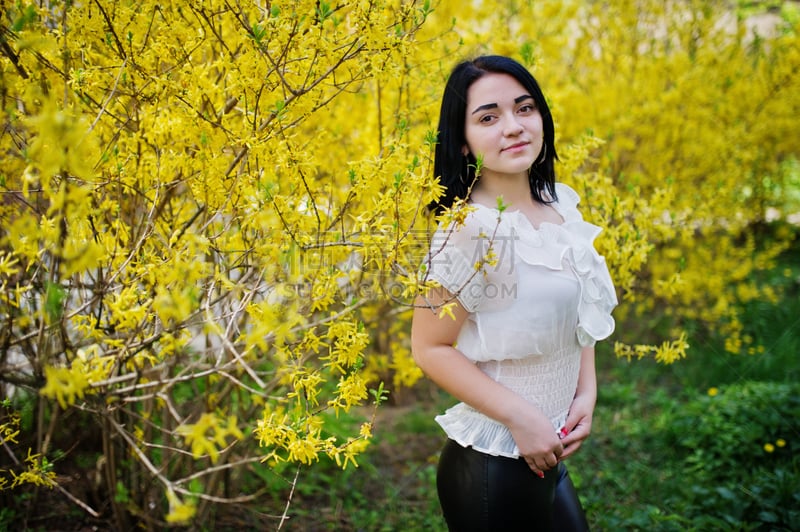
480, 492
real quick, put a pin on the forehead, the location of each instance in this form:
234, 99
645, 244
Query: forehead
494, 88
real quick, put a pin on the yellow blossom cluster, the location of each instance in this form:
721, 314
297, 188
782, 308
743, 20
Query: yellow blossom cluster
667, 352
304, 444
179, 511
36, 469
68, 384
37, 472
209, 434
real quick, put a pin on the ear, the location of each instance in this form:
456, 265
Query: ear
465, 150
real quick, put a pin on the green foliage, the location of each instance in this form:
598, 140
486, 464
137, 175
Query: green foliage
121, 494
740, 453
7, 518
664, 463
737, 423
54, 301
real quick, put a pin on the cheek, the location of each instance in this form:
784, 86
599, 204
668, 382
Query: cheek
537, 124
471, 138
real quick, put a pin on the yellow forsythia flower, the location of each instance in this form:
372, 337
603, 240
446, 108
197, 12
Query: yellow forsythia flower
208, 435
447, 310
769, 447
179, 512
64, 384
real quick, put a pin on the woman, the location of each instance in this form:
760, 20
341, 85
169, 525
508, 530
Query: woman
523, 299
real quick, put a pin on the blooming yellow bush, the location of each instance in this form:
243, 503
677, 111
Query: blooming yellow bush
196, 199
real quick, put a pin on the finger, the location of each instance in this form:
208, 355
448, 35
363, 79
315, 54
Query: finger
550, 460
570, 427
537, 471
558, 451
579, 433
570, 450
571, 439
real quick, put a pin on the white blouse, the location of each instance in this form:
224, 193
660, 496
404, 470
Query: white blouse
543, 294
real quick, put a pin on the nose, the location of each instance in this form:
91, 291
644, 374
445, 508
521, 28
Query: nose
512, 127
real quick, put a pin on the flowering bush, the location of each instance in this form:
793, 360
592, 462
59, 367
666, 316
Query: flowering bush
182, 227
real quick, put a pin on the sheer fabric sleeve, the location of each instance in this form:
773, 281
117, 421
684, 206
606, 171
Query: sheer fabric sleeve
454, 262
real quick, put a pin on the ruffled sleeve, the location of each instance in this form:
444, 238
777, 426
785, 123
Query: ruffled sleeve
598, 297
452, 259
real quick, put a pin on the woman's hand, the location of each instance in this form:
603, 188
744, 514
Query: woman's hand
579, 420
578, 425
538, 443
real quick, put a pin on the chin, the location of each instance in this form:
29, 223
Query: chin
523, 167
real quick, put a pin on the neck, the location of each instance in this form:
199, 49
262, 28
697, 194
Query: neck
515, 190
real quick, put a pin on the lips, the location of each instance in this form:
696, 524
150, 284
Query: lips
514, 146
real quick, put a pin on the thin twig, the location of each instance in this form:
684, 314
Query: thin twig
285, 516
110, 95
77, 501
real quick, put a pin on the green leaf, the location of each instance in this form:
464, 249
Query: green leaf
54, 300
25, 18
324, 10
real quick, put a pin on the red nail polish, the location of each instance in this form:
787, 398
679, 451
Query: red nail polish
564, 431
541, 474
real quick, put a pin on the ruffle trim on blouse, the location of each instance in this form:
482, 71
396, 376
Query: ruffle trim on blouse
571, 243
598, 297
470, 428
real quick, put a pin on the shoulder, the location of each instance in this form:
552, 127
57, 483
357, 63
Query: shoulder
567, 204
471, 224
567, 195
456, 248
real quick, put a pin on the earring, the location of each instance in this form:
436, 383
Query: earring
465, 173
544, 154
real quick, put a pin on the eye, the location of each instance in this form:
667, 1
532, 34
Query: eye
486, 119
527, 108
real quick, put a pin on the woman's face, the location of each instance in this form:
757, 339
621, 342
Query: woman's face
503, 126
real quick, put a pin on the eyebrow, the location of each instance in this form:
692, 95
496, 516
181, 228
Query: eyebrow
486, 106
